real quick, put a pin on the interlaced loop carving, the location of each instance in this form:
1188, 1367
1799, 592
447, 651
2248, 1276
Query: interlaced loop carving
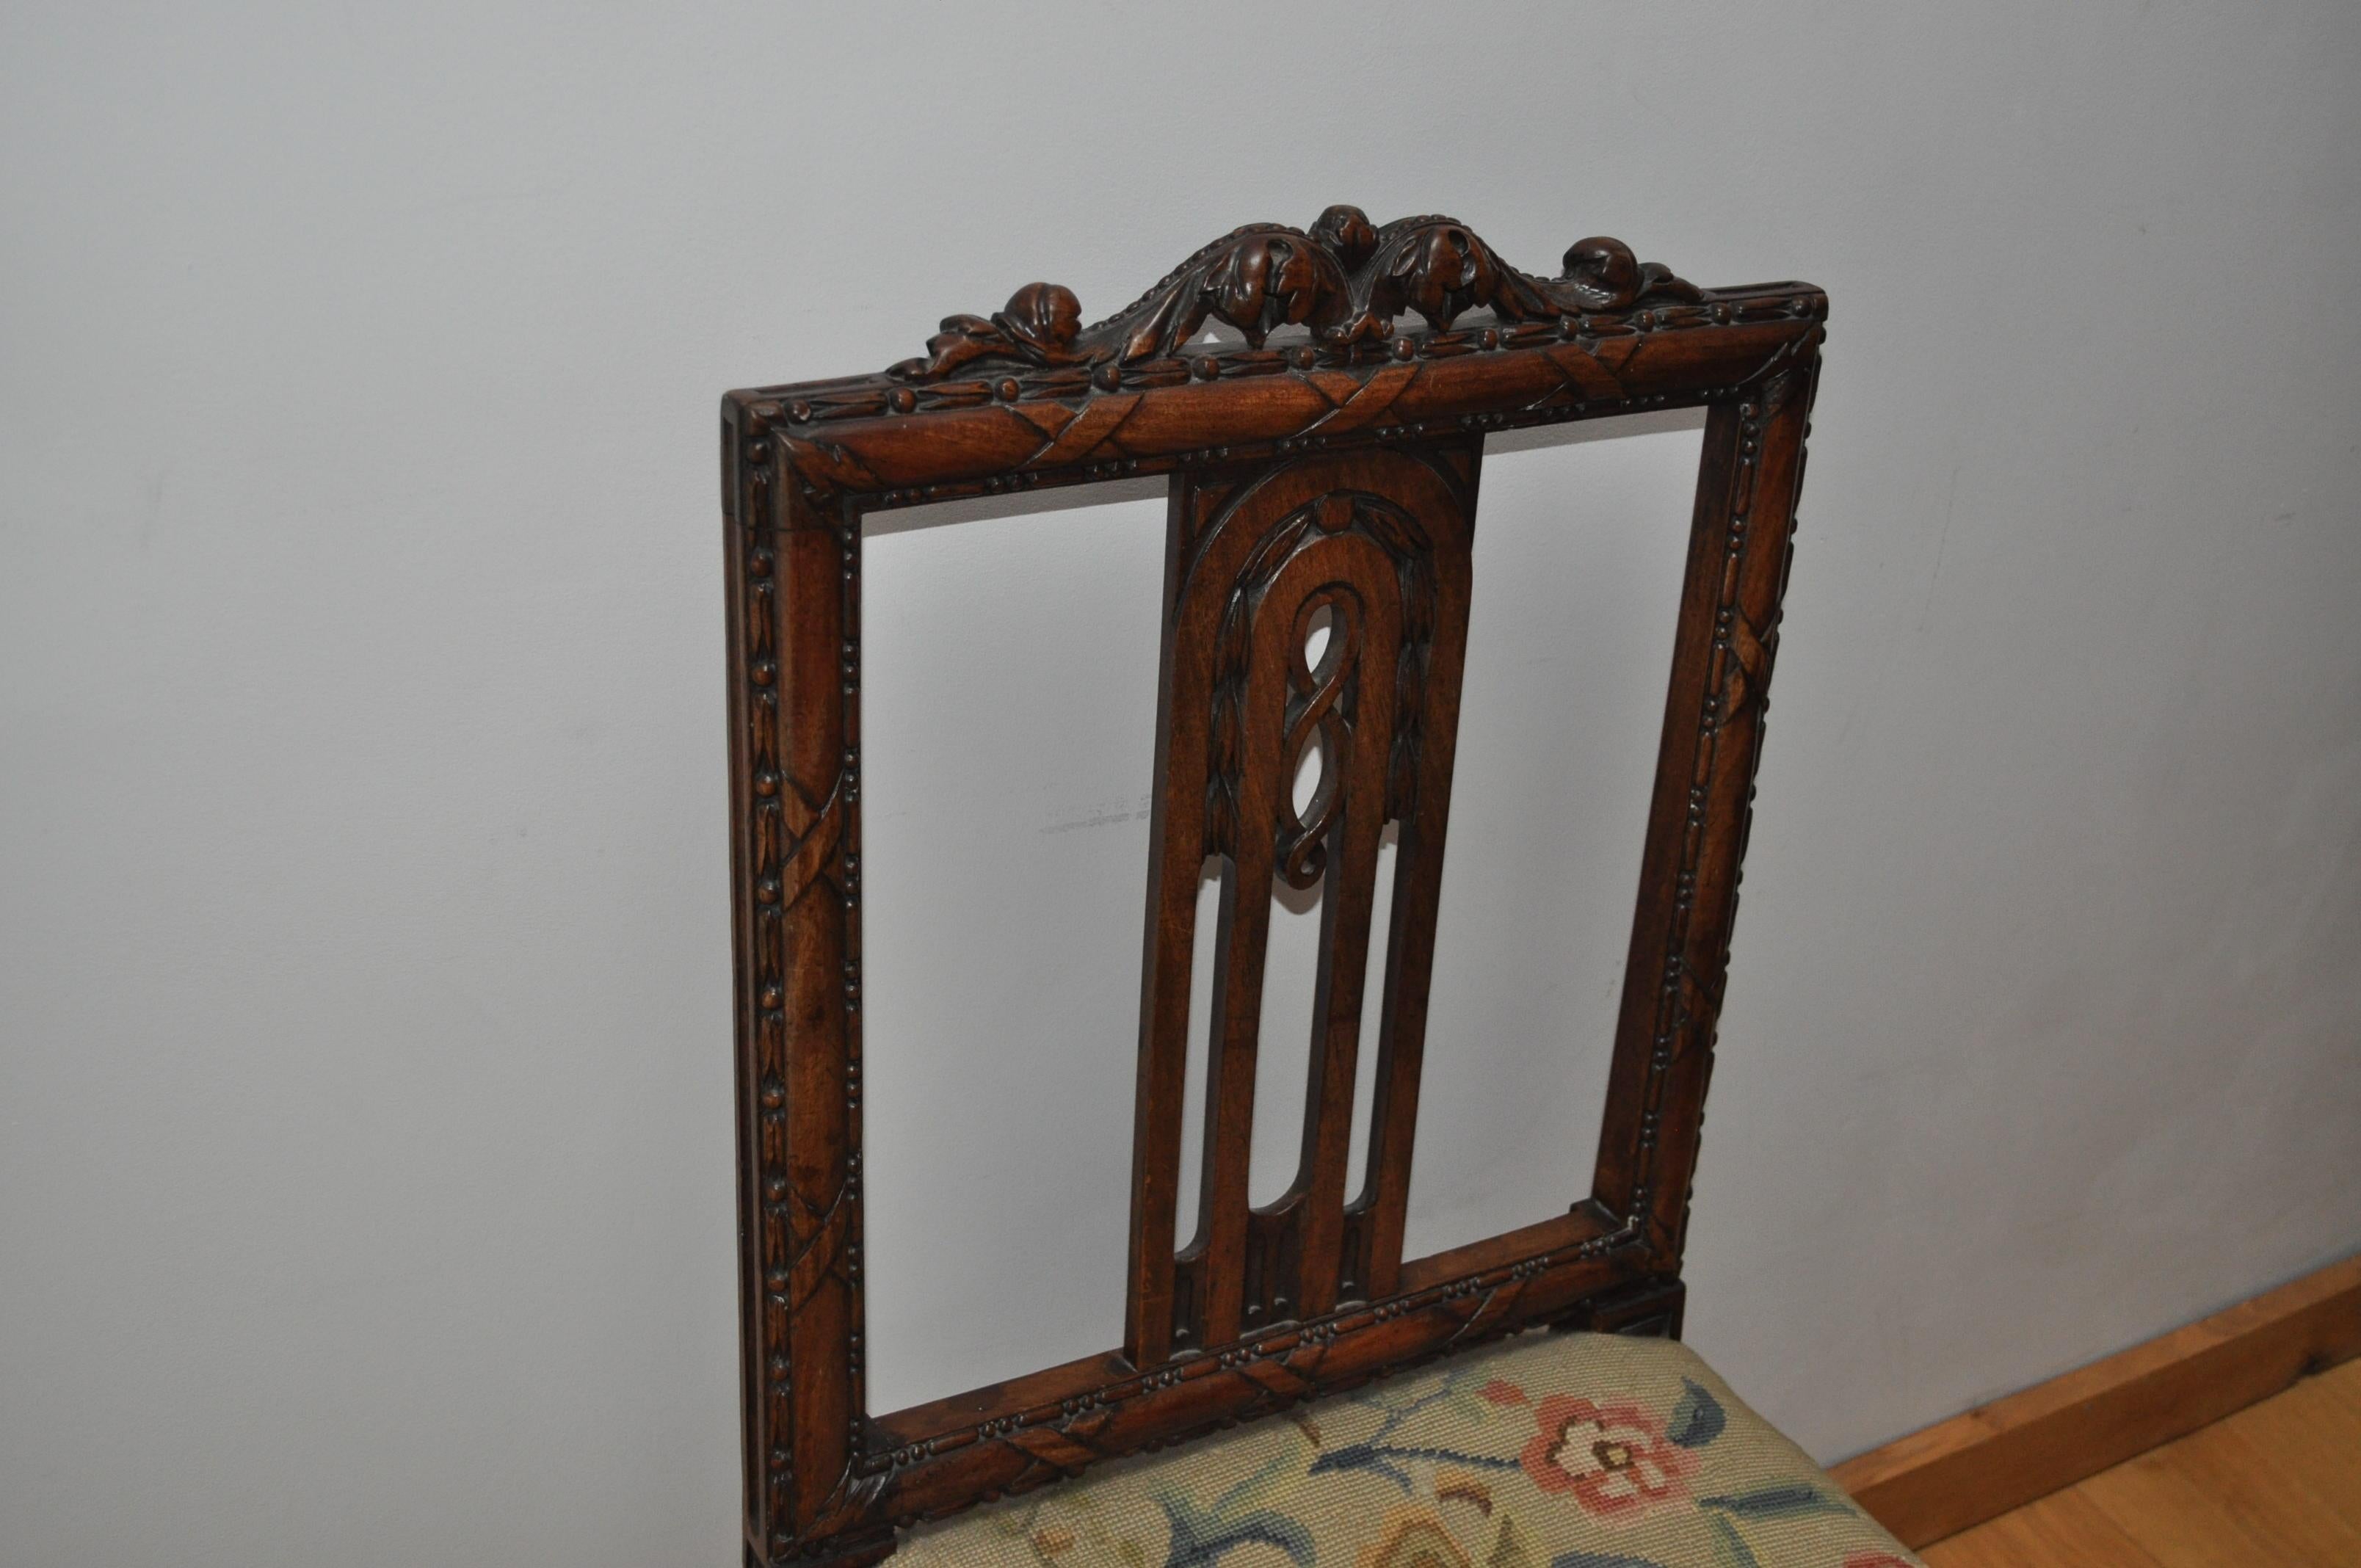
1316, 708
1319, 702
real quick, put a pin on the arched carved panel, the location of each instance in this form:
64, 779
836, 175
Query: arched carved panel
1379, 541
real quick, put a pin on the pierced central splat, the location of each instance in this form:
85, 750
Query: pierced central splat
1316, 621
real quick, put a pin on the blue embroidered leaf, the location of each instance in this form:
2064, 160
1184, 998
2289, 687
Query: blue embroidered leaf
1245, 1491
1781, 1499
1360, 1456
1698, 1418
1601, 1560
1735, 1554
1271, 1529
1201, 1540
1381, 1457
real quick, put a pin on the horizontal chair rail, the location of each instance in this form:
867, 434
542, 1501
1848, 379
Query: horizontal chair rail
1055, 1423
848, 439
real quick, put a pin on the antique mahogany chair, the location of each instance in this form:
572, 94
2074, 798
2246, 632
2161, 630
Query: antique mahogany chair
1329, 464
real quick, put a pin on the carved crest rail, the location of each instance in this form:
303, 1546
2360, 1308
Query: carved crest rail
1324, 480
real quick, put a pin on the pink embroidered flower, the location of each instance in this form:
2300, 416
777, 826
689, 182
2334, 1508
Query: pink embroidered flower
1613, 1458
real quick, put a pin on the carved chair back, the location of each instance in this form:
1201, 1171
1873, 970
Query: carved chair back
1328, 468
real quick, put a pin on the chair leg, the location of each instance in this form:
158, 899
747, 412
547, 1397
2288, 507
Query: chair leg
1648, 1309
854, 1550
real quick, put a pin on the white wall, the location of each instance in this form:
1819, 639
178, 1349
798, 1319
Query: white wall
364, 1098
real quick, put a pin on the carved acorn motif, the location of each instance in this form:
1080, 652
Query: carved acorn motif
1038, 325
1604, 275
1044, 317
1346, 232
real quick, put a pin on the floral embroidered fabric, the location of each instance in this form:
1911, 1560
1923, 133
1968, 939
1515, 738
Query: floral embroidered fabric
1553, 1451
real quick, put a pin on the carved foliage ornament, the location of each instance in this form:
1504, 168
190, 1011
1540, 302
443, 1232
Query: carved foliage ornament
1344, 279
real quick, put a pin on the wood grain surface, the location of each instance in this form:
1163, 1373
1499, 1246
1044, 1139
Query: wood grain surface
2000, 1456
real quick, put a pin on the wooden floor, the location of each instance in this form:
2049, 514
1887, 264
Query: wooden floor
2279, 1482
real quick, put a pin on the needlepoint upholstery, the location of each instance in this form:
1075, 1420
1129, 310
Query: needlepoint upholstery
1551, 1451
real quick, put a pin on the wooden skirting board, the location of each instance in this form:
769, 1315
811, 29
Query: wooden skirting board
2000, 1456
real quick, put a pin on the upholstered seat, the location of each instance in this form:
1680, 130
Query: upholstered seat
1552, 1451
